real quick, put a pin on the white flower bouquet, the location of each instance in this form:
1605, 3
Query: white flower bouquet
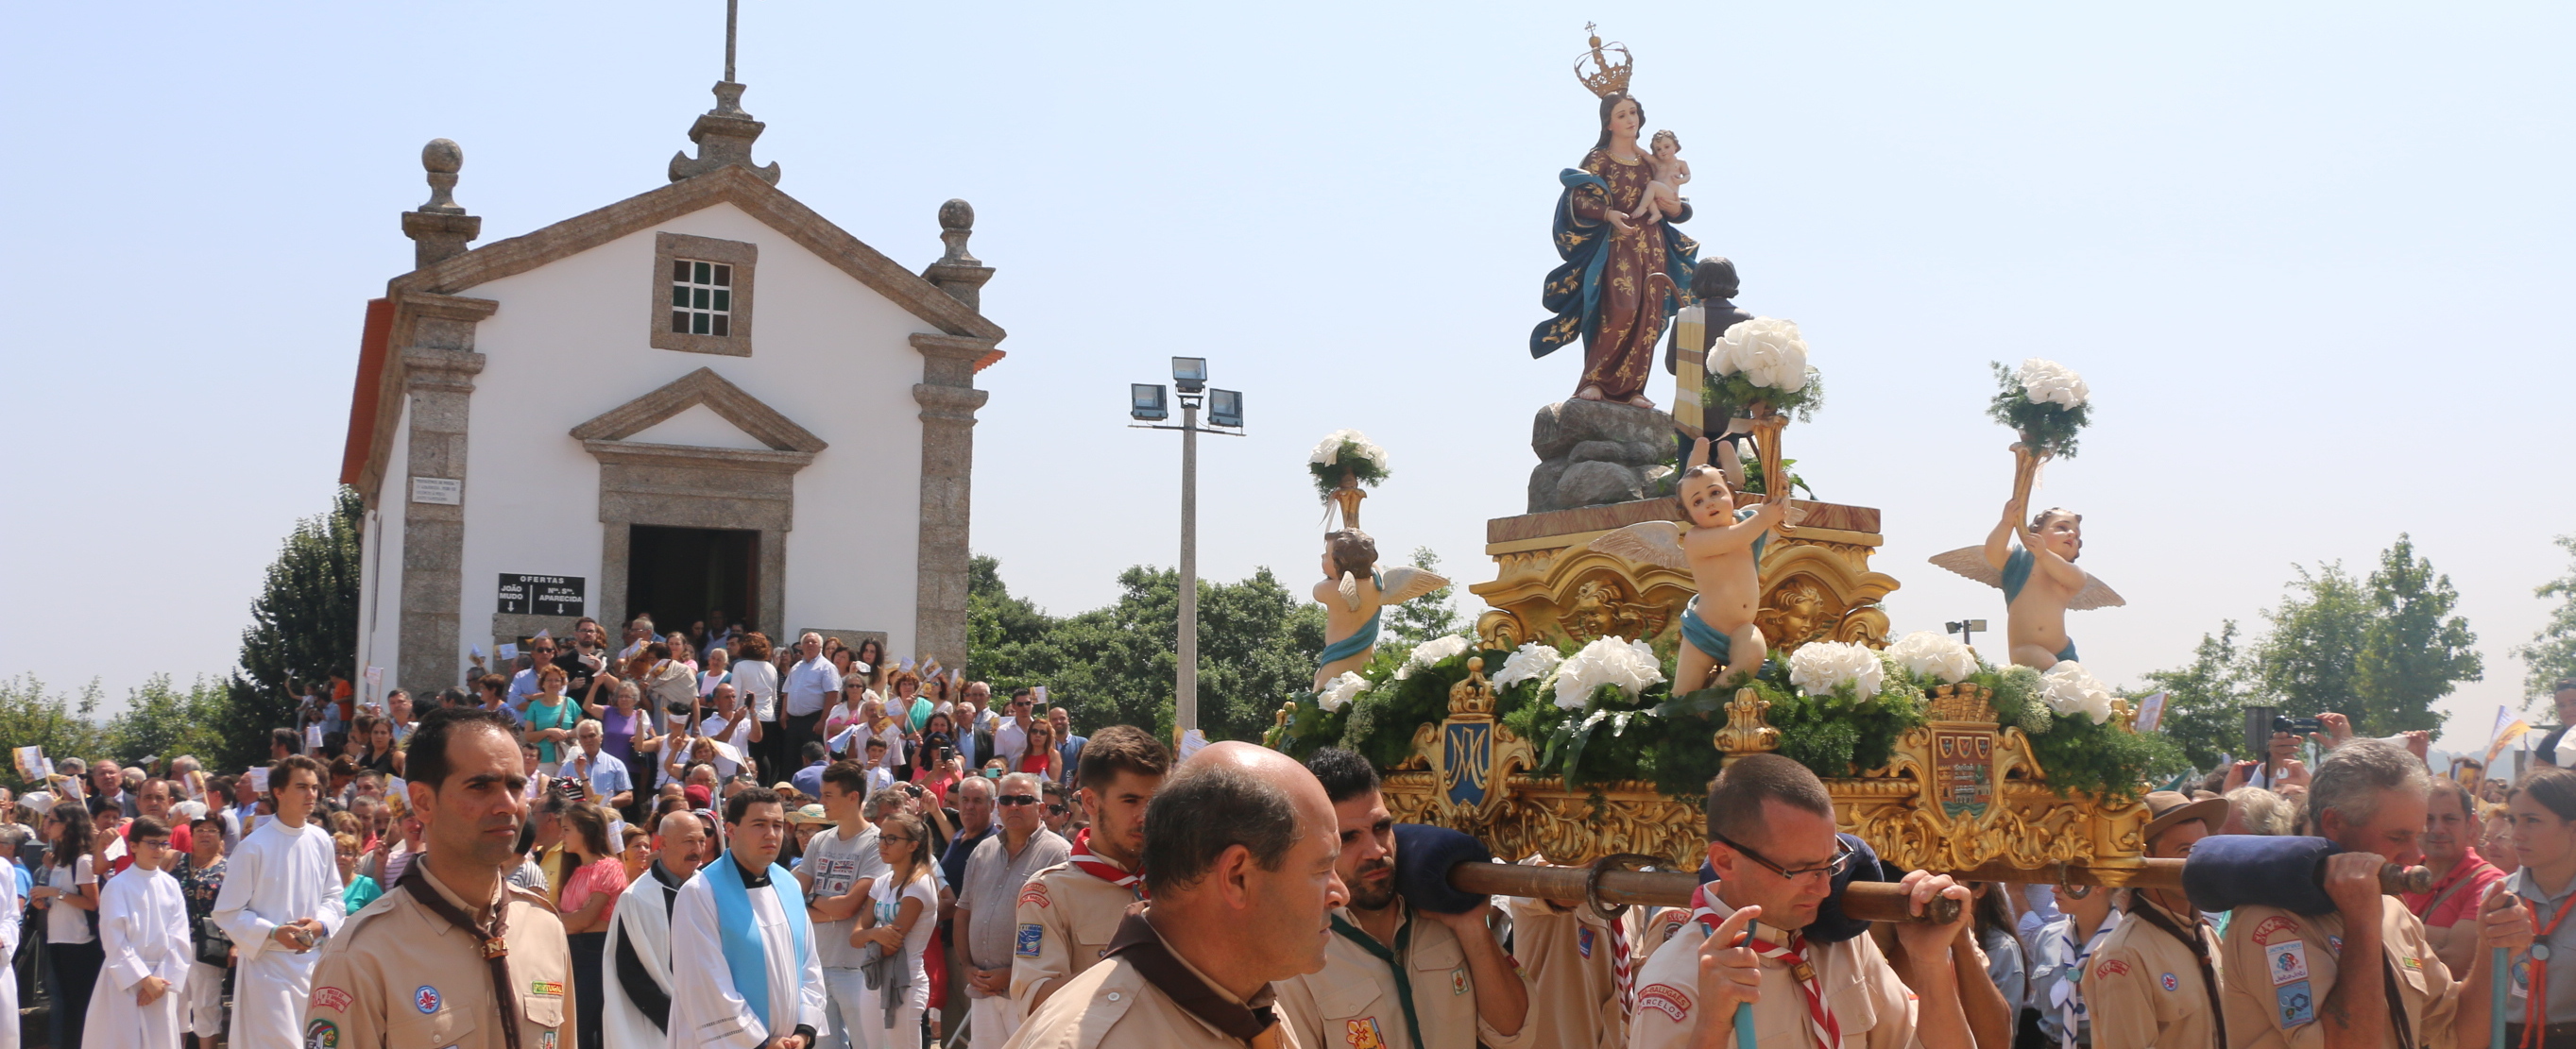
1340, 691
2044, 402
2069, 689
1531, 662
1631, 665
1822, 668
1429, 654
1932, 657
1346, 451
1763, 361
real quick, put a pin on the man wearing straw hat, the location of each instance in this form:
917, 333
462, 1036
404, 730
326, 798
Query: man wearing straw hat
2155, 980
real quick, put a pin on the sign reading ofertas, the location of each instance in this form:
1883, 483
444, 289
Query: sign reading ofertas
544, 595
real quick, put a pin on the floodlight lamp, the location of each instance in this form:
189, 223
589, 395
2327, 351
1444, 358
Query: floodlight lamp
1146, 402
1189, 373
1225, 408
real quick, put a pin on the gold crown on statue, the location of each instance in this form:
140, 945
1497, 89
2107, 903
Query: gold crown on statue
1604, 77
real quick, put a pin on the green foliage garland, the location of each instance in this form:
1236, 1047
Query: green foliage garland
2048, 427
1657, 738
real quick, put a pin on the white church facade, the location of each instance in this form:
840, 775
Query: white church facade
704, 398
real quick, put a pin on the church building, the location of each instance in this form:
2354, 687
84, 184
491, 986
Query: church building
702, 399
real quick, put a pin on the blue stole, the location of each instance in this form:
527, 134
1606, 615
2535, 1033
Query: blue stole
2017, 566
739, 932
1362, 639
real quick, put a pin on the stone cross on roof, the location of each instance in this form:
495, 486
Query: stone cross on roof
724, 134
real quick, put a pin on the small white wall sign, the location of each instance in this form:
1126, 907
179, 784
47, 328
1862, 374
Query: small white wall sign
445, 491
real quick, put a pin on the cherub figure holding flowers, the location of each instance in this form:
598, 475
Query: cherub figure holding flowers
2045, 403
1722, 550
1355, 594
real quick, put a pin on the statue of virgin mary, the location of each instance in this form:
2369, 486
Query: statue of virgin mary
1622, 278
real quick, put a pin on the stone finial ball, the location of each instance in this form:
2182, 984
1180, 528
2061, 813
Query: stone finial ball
442, 156
957, 214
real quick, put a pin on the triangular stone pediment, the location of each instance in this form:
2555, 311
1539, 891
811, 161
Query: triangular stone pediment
701, 389
731, 184
698, 426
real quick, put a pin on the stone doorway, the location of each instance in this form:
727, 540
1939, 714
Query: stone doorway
679, 576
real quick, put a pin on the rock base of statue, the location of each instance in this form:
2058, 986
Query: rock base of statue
1598, 453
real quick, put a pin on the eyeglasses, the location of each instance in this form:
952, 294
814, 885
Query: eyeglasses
1057, 810
1016, 800
1841, 862
896, 837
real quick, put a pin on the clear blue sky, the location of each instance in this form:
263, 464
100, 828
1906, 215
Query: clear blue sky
2311, 258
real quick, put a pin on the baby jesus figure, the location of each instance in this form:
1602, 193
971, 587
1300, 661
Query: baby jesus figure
1663, 194
1355, 594
1722, 550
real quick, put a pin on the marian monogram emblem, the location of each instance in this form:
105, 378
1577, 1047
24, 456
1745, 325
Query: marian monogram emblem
1467, 754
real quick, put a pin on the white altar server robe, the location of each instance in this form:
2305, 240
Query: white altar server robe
279, 875
642, 918
707, 1010
9, 929
143, 926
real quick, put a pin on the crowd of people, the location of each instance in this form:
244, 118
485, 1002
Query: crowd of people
802, 849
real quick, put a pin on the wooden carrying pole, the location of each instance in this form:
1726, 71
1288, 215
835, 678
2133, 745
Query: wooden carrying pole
1867, 900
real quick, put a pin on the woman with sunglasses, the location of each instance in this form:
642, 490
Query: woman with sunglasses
902, 911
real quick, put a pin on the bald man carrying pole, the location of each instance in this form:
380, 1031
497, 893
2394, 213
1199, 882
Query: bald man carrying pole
1240, 846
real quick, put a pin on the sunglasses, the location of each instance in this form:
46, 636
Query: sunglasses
1057, 810
1842, 860
1016, 800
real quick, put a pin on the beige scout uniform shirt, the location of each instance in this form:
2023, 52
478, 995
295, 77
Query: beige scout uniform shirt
1573, 987
2285, 964
2143, 990
400, 977
1869, 1004
1351, 1002
1075, 914
1112, 1005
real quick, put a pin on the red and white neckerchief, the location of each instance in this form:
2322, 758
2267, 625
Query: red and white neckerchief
1623, 969
1100, 867
1820, 1020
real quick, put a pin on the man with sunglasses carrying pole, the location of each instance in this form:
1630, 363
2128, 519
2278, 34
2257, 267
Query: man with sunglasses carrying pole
1772, 843
988, 903
1396, 975
1077, 905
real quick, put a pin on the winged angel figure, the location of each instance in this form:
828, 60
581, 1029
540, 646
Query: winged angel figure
1355, 593
2035, 568
1722, 550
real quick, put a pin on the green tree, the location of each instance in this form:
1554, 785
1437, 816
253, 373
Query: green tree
1009, 640
1428, 616
2307, 666
1116, 664
2205, 701
304, 628
32, 717
162, 721
2414, 651
2551, 652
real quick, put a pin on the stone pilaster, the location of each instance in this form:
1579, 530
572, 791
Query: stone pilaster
948, 400
439, 365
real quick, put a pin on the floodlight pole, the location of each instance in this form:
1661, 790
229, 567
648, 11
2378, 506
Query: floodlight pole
1185, 690
1185, 683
